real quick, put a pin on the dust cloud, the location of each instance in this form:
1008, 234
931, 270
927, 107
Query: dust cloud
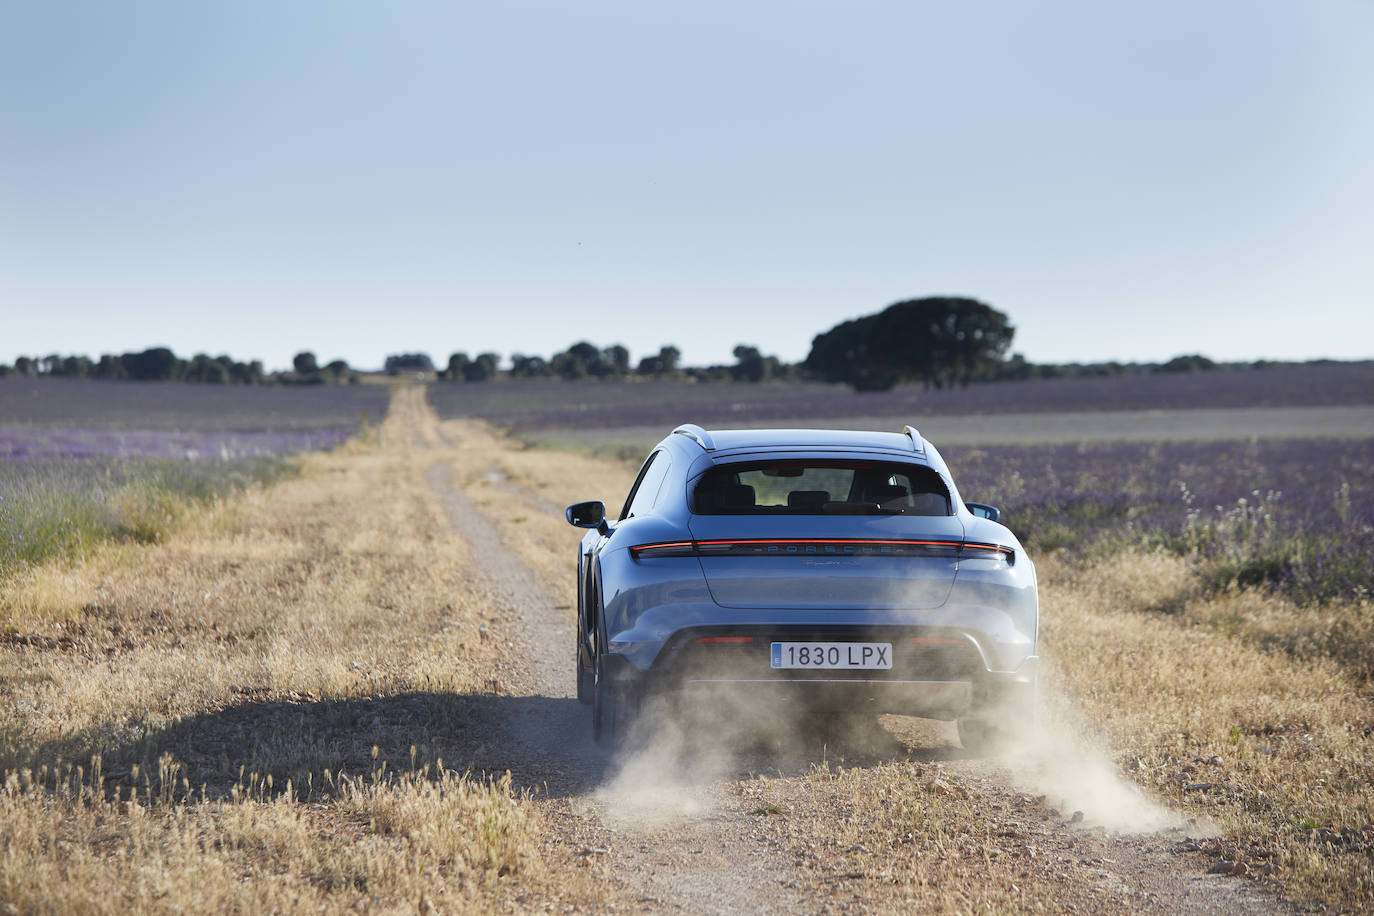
679, 752
656, 780
677, 756
1059, 758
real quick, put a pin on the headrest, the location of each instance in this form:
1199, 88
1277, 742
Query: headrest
807, 499
738, 496
883, 493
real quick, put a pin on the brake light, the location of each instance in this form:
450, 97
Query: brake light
832, 546
665, 549
976, 550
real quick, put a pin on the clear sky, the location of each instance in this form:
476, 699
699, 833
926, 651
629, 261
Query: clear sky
1125, 180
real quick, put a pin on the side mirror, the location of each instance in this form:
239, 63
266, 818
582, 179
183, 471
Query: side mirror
587, 515
991, 513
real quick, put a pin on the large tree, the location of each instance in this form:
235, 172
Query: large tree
584, 359
938, 341
155, 364
397, 363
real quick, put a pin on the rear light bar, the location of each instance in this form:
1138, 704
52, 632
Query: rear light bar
665, 549
781, 547
976, 550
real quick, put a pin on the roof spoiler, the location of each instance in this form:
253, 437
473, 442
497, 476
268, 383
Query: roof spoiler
696, 434
918, 445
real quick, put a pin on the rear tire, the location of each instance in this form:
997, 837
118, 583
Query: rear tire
612, 712
586, 680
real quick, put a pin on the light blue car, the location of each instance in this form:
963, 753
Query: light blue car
838, 569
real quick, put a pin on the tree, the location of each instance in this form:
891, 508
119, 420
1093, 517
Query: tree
201, 368
246, 373
578, 361
664, 364
110, 366
1195, 362
938, 341
24, 366
305, 364
568, 366
481, 368
77, 367
750, 365
457, 362
408, 362
617, 359
155, 364
522, 366
337, 370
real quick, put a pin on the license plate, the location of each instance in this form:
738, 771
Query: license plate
832, 655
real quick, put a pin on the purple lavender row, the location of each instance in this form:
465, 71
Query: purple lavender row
1297, 515
30, 443
539, 404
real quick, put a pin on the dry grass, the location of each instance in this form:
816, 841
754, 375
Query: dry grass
214, 723
1281, 741
911, 838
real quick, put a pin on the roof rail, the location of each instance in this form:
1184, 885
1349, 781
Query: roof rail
696, 434
918, 444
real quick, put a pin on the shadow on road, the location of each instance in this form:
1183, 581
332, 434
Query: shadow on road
544, 742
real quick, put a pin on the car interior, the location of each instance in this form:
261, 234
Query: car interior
824, 488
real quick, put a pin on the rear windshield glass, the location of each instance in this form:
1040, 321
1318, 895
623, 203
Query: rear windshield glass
821, 488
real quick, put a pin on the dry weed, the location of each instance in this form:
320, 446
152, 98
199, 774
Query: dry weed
1273, 748
212, 723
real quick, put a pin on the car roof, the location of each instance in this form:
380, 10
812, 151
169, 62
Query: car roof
736, 444
731, 439
720, 443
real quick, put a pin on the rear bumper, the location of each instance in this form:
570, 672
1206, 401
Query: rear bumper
928, 699
940, 676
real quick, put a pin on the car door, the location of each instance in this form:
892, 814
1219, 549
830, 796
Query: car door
639, 500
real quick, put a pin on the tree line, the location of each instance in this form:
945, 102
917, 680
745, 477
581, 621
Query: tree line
585, 360
160, 364
937, 342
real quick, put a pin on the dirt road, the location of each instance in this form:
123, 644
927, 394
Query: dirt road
762, 830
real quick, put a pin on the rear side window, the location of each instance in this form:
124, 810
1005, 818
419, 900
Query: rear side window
821, 488
645, 491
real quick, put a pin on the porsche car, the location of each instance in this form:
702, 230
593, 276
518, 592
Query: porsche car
833, 570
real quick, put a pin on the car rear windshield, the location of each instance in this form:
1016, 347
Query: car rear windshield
821, 488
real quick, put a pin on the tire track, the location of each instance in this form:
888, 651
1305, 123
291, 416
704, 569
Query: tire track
692, 848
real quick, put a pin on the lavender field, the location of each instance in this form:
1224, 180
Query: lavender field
538, 404
89, 404
87, 461
1296, 516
